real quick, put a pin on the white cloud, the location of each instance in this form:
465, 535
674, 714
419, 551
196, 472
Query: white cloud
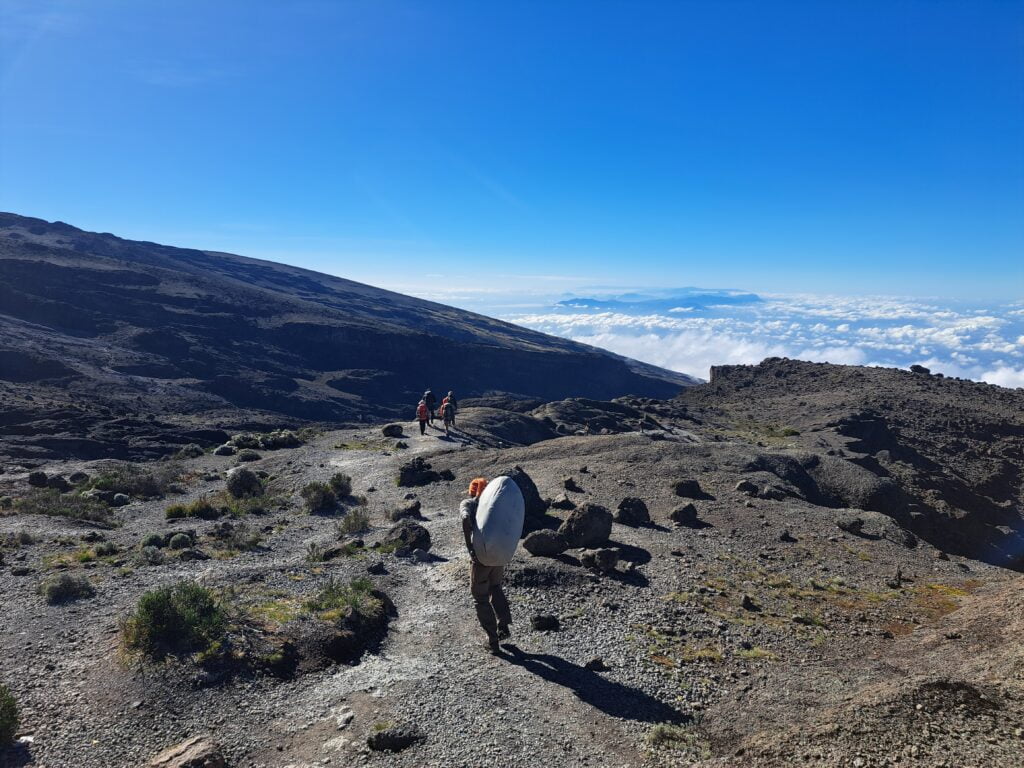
1005, 376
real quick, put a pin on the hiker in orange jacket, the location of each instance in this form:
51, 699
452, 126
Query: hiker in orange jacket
447, 415
422, 416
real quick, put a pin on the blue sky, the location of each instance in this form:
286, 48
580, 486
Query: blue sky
861, 147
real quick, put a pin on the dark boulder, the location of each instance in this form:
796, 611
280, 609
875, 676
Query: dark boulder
407, 510
407, 535
545, 543
589, 526
688, 489
632, 511
561, 501
536, 508
392, 430
603, 559
37, 479
685, 515
419, 472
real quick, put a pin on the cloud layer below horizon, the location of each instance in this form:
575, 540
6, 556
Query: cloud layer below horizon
984, 343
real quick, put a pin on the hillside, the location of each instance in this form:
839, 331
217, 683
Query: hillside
111, 347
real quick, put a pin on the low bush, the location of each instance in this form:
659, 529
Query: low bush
65, 588
356, 521
8, 716
236, 537
316, 553
190, 451
319, 497
202, 508
142, 482
151, 556
17, 539
184, 618
105, 549
248, 455
180, 541
341, 484
49, 501
153, 540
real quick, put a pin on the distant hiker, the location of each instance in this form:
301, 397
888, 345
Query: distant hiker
485, 580
422, 415
447, 416
431, 401
450, 398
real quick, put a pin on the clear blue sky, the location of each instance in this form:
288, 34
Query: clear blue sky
857, 146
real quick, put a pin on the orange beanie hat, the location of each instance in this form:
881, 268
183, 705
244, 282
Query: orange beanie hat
476, 486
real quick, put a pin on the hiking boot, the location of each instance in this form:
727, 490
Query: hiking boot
493, 647
504, 633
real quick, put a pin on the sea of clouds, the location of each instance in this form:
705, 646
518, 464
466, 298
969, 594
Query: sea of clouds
690, 330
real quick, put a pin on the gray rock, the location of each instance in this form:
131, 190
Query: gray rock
685, 515
851, 524
77, 478
747, 487
633, 511
119, 500
409, 510
37, 479
57, 482
107, 497
545, 543
392, 430
588, 526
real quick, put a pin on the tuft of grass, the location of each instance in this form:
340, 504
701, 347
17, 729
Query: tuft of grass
756, 653
8, 716
671, 736
65, 588
689, 654
341, 484
316, 553
183, 618
51, 502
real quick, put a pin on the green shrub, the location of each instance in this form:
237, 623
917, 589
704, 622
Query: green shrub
236, 537
341, 484
180, 541
65, 588
17, 539
153, 540
8, 716
49, 501
316, 553
248, 455
141, 482
184, 618
319, 497
356, 521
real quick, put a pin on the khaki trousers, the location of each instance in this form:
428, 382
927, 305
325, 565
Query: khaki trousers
491, 606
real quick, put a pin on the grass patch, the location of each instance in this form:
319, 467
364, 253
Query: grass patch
337, 601
755, 654
937, 600
677, 737
184, 618
51, 502
202, 509
690, 654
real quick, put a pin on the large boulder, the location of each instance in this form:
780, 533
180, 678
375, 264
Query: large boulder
197, 752
633, 511
392, 430
244, 483
37, 479
688, 489
406, 536
536, 508
407, 510
545, 543
685, 515
589, 526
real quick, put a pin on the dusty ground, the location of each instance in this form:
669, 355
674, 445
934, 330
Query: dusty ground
829, 667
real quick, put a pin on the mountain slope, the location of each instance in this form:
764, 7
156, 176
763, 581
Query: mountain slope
106, 326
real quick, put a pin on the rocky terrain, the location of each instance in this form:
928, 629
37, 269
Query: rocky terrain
792, 564
111, 348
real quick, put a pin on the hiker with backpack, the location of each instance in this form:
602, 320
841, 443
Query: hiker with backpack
431, 401
422, 415
453, 406
447, 413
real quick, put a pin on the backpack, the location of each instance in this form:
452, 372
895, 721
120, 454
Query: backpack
444, 410
422, 412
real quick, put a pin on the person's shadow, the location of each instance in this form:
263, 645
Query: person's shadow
608, 696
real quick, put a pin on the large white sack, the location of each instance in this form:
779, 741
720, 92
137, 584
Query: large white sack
499, 522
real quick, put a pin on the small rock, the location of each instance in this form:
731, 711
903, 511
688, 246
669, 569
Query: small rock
407, 534
392, 430
748, 604
685, 515
196, 752
604, 559
746, 487
543, 622
119, 500
787, 537
77, 478
57, 482
376, 568
408, 510
589, 525
633, 511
